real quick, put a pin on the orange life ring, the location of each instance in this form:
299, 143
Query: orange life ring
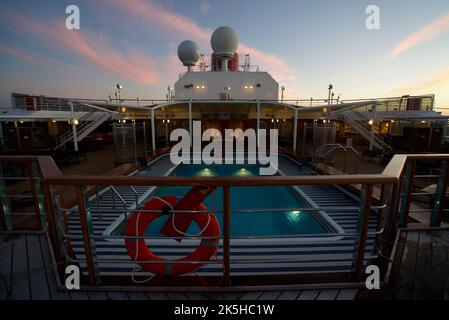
139, 251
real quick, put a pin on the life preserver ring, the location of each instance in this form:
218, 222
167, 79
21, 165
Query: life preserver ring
139, 251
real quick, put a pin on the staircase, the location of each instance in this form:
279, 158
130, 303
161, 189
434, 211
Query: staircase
86, 125
359, 123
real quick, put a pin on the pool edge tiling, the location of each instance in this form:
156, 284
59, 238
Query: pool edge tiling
306, 257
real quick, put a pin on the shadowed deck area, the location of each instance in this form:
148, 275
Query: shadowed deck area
420, 267
27, 273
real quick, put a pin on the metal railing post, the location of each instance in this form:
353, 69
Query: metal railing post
440, 195
226, 281
390, 215
362, 230
5, 210
87, 230
52, 222
406, 191
97, 199
35, 186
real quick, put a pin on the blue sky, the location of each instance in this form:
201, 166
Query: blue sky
303, 44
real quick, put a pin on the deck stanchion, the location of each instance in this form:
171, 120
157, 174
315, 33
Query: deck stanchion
407, 188
389, 213
362, 230
87, 230
295, 130
52, 223
226, 281
32, 171
440, 195
153, 133
5, 211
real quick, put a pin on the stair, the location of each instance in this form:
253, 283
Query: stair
359, 122
86, 125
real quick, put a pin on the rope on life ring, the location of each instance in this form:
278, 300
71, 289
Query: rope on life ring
139, 251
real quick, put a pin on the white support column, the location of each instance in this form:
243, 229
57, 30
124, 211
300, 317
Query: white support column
2, 139
153, 133
295, 130
371, 138
190, 123
373, 128
75, 138
258, 122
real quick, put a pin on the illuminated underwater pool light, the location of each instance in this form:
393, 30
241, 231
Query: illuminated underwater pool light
294, 216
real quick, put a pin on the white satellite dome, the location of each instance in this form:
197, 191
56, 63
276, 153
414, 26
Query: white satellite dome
188, 53
224, 42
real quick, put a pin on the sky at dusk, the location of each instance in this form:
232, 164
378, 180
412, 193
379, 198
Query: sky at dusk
305, 45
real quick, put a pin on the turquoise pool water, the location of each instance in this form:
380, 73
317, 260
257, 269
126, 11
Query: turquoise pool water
246, 224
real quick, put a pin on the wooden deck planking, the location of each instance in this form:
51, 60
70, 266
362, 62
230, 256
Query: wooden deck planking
308, 295
34, 278
423, 267
21, 286
55, 293
97, 295
420, 265
137, 296
116, 295
6, 252
328, 294
38, 281
270, 295
250, 296
347, 294
289, 295
157, 296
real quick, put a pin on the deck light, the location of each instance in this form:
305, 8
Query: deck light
370, 122
202, 87
250, 87
246, 87
75, 121
272, 120
168, 120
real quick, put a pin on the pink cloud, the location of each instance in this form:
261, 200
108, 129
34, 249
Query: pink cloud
91, 47
430, 31
431, 82
36, 59
181, 26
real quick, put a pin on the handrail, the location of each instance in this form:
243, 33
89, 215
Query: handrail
119, 196
52, 174
396, 177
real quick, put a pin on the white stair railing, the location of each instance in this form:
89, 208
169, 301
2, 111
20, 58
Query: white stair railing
86, 125
361, 124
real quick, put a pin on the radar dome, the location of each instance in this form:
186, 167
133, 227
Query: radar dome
224, 42
188, 53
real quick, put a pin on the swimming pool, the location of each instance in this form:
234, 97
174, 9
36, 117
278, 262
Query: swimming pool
247, 224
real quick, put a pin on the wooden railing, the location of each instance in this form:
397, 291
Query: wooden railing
395, 182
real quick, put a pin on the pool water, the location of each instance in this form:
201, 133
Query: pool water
293, 222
